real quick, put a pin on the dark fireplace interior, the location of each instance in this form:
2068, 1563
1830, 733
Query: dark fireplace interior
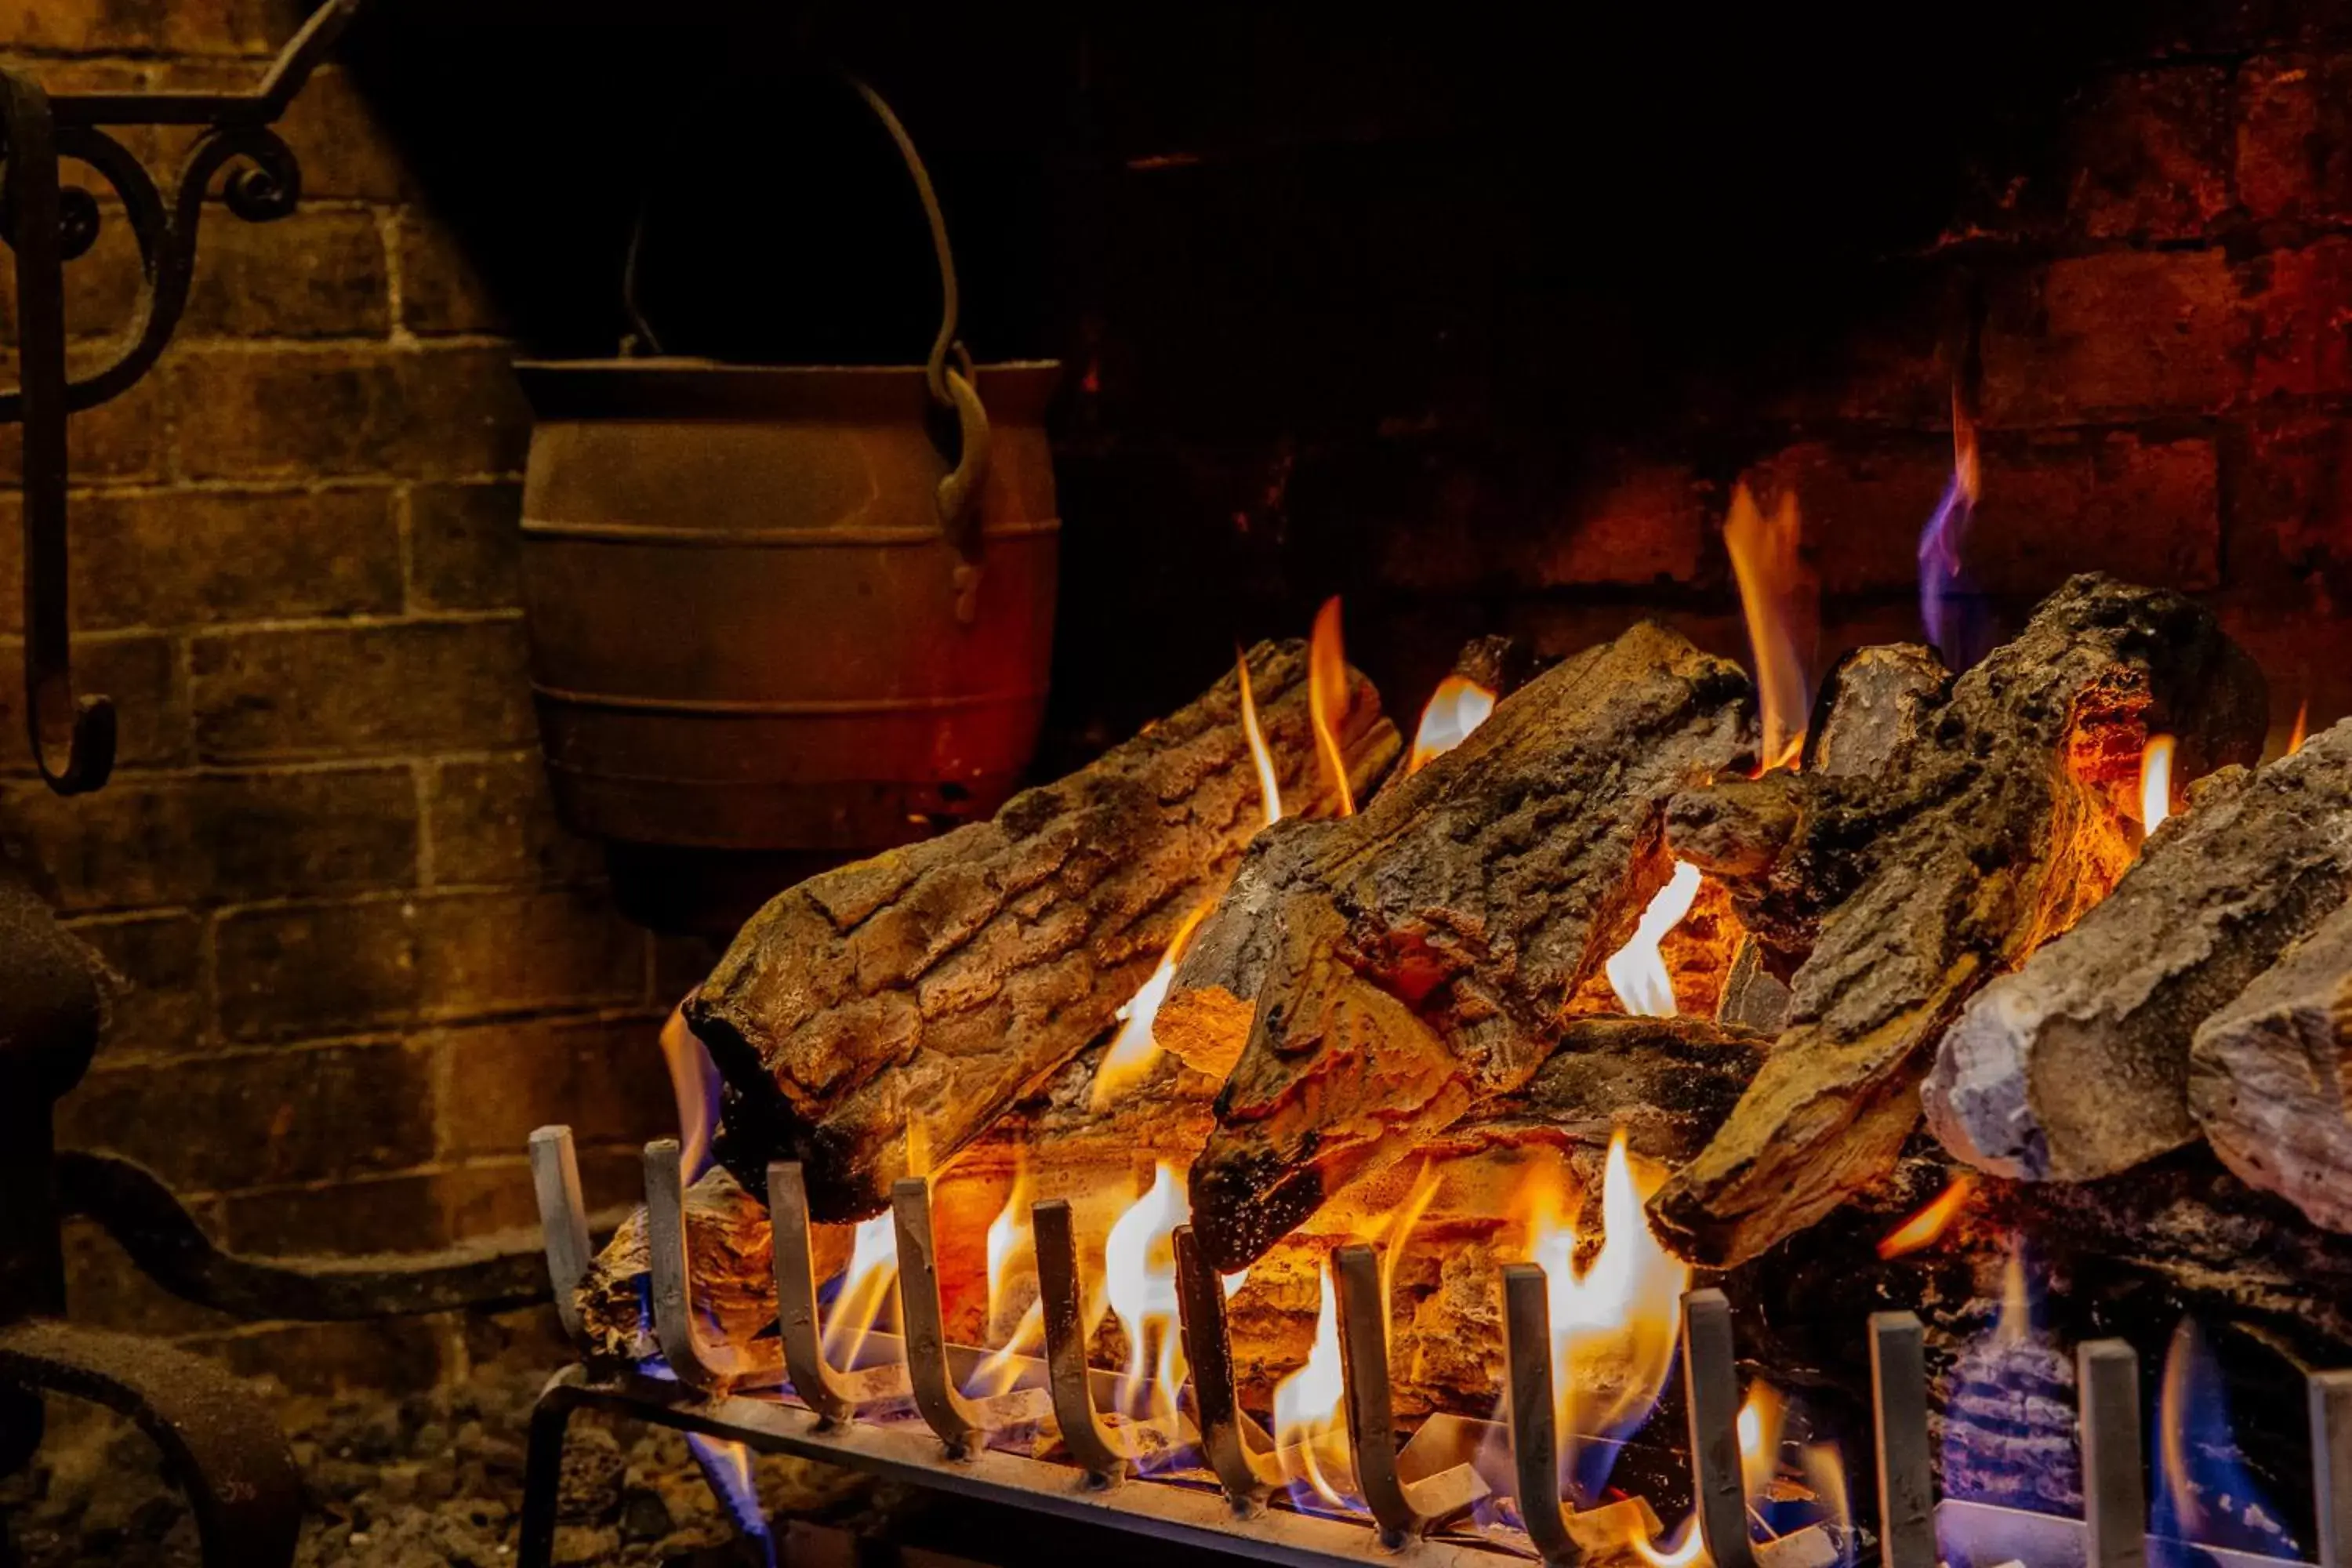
1485, 322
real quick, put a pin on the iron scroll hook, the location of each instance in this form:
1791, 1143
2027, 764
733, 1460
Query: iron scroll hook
72, 736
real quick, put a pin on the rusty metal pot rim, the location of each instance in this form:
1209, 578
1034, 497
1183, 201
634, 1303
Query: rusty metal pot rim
670, 387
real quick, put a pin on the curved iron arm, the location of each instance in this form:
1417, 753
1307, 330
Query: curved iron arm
73, 736
143, 1217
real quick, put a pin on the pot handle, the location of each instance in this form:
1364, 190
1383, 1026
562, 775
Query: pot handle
948, 374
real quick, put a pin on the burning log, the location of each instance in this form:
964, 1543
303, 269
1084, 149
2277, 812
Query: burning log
2266, 1073
1425, 952
730, 1252
1205, 1017
2007, 816
2077, 1066
913, 997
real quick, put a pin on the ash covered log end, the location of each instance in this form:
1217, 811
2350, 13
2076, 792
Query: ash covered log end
2077, 1066
2011, 813
2266, 1076
1871, 707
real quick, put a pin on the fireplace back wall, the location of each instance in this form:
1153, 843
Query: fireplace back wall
1473, 319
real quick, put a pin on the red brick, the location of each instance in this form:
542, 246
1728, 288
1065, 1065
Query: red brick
603, 1078
156, 1004
1471, 525
2124, 333
2303, 332
143, 843
141, 671
367, 690
345, 152
106, 1290
412, 1212
2295, 136
1646, 524
466, 546
2290, 522
2149, 512
429, 413
175, 558
440, 289
494, 821
261, 1117
329, 969
2148, 155
122, 439
307, 275
102, 285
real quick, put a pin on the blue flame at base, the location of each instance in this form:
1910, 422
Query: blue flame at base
2204, 1495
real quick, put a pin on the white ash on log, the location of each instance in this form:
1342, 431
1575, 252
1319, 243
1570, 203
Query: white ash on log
2267, 1076
932, 987
2077, 1066
2008, 814
1427, 948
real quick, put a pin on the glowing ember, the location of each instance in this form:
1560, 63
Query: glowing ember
1458, 706
1269, 788
2156, 782
1940, 542
1327, 701
1614, 1326
865, 1289
1309, 1436
1761, 1420
694, 1081
2204, 1494
1764, 559
1637, 972
1134, 1053
1924, 1227
1679, 1550
1140, 1277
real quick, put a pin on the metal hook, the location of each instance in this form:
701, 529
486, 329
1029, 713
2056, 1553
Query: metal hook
2114, 1498
1106, 1452
835, 1397
562, 1224
2331, 1464
73, 738
711, 1371
1711, 1389
1246, 1474
1405, 1508
961, 1423
1534, 1425
1907, 1481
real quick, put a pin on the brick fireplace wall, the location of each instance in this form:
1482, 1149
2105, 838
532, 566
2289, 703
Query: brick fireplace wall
1315, 342
362, 960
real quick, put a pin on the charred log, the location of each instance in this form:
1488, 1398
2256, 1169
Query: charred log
2077, 1066
2008, 814
2266, 1076
1425, 950
914, 997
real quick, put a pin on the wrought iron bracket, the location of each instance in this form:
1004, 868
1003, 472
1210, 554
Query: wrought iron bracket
48, 224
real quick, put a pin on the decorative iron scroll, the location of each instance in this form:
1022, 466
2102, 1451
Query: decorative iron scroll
48, 224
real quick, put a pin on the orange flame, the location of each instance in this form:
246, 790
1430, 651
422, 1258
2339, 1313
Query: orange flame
1637, 970
1327, 701
1458, 706
1134, 1052
1011, 1257
1761, 1418
1139, 1278
1764, 560
694, 1083
1824, 1467
2156, 782
1310, 1432
866, 1287
1614, 1325
1269, 788
2302, 720
1930, 1222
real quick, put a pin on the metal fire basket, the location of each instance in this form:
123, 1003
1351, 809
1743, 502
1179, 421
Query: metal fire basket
1220, 1501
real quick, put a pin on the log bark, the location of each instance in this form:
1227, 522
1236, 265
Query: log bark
2266, 1076
2077, 1066
917, 995
2011, 812
1205, 1017
1425, 950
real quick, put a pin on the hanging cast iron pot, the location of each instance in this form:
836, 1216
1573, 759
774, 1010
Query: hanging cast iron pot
802, 608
